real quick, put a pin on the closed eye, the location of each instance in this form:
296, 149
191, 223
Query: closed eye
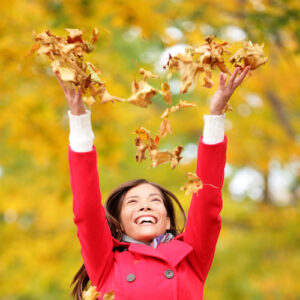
156, 200
131, 201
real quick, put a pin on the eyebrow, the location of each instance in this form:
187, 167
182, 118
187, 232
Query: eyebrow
136, 196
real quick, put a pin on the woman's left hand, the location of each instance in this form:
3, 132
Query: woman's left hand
223, 93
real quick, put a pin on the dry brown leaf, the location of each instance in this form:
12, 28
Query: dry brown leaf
193, 185
175, 156
147, 74
95, 35
144, 93
227, 107
165, 127
145, 142
91, 294
159, 157
196, 61
89, 101
109, 296
180, 105
250, 55
165, 88
66, 55
107, 97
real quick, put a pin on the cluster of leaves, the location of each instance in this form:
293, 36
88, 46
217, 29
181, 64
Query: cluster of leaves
67, 60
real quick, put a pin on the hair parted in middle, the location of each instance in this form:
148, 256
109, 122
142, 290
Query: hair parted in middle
113, 207
114, 202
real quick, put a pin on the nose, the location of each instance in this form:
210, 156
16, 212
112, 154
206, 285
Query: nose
145, 207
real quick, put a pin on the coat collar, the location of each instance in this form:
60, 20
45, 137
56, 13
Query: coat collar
172, 252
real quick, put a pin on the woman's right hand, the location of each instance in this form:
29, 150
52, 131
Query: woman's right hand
73, 97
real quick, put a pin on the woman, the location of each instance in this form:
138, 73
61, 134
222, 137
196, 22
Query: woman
134, 248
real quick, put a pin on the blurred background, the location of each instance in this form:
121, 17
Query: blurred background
258, 253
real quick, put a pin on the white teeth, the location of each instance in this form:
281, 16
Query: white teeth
142, 220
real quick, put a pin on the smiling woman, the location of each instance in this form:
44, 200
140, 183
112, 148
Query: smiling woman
133, 247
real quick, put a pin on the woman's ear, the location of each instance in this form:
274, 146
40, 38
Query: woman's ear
168, 224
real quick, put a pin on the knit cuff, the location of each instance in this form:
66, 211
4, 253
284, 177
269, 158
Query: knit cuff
81, 135
214, 128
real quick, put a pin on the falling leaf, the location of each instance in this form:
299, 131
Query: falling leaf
159, 157
197, 61
95, 35
91, 294
34, 48
109, 296
107, 97
144, 93
147, 74
193, 185
180, 105
175, 156
165, 88
165, 127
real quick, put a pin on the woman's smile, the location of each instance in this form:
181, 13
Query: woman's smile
143, 213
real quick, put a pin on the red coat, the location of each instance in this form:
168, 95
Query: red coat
174, 270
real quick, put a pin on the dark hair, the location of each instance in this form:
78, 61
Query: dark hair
113, 209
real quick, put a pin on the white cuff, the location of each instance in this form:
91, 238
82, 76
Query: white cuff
214, 129
81, 134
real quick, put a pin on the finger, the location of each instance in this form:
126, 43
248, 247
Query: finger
222, 80
238, 81
60, 81
233, 76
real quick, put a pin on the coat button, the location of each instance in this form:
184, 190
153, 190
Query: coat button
130, 277
169, 274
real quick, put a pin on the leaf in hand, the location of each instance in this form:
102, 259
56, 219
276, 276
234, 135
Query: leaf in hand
251, 55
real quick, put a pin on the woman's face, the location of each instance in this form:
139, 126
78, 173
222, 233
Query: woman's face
143, 213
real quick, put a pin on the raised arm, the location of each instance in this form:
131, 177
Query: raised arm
204, 220
89, 215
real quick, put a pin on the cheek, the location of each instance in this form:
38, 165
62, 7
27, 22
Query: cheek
125, 217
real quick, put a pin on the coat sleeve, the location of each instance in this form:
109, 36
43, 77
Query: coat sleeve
204, 220
89, 215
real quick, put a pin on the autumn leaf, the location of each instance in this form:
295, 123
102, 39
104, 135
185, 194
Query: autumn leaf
147, 74
67, 59
106, 97
143, 93
175, 156
165, 127
95, 35
91, 294
227, 107
180, 105
109, 296
144, 142
251, 55
165, 90
193, 185
196, 61
159, 157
